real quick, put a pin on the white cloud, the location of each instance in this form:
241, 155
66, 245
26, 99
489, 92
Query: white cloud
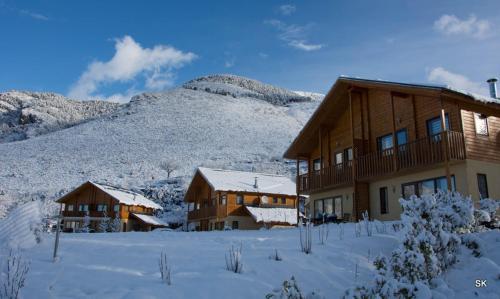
34, 15
263, 55
287, 9
129, 62
443, 76
294, 35
452, 25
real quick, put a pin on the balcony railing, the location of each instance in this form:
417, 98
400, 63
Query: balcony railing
331, 176
207, 212
419, 153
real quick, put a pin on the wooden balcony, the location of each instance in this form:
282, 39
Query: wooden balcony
332, 176
208, 212
420, 153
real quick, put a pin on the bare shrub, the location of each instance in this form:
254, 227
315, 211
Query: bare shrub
380, 227
13, 274
306, 238
169, 166
341, 231
233, 259
165, 269
323, 231
276, 256
367, 224
357, 229
290, 290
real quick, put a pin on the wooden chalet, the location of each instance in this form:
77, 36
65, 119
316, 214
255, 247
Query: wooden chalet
219, 199
371, 142
136, 213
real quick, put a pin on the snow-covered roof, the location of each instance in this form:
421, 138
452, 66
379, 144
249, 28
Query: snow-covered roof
127, 197
149, 219
232, 180
477, 97
271, 214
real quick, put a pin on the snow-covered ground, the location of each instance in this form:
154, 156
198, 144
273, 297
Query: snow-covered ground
125, 265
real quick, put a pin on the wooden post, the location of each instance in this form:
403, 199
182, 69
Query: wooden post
354, 154
415, 120
329, 149
320, 156
394, 139
368, 121
362, 123
56, 243
445, 146
297, 188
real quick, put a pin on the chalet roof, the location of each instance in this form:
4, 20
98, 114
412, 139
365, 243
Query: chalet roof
477, 97
232, 180
121, 195
273, 215
127, 197
333, 101
149, 219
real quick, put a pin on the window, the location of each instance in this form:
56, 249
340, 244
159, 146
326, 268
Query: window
481, 123
83, 208
283, 200
427, 186
402, 137
116, 208
235, 225
383, 200
69, 208
318, 208
197, 205
338, 206
348, 154
102, 208
482, 185
339, 158
239, 199
384, 142
275, 200
316, 164
327, 207
434, 126
223, 199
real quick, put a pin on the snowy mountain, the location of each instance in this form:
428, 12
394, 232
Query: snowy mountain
126, 147
26, 114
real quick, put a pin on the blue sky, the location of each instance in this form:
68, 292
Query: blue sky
113, 49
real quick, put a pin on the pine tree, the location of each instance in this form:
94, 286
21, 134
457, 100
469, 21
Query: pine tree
86, 223
104, 222
116, 223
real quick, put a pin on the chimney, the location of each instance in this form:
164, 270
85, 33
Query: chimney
493, 87
256, 184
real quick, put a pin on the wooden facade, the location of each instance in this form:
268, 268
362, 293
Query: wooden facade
91, 200
211, 209
367, 130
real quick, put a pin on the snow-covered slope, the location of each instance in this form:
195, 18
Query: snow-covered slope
192, 127
27, 114
237, 86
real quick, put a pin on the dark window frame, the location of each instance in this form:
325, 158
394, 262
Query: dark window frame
316, 162
341, 155
435, 179
348, 157
384, 200
235, 224
438, 118
486, 191
240, 196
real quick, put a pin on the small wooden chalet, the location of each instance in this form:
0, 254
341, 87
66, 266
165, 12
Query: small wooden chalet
135, 212
219, 199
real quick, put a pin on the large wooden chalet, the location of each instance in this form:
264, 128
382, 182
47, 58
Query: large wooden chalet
220, 199
371, 142
136, 213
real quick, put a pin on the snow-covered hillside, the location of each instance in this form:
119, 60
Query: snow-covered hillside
125, 148
26, 114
